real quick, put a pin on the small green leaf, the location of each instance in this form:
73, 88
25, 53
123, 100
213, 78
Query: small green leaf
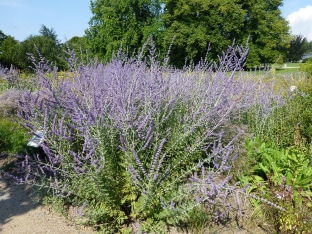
289, 177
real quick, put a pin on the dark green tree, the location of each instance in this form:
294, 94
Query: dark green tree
49, 33
47, 47
310, 46
9, 52
122, 23
2, 37
195, 23
268, 31
298, 46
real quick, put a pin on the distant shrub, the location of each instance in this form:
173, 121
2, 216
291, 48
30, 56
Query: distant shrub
307, 68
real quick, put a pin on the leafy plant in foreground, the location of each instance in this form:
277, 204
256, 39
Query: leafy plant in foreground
283, 176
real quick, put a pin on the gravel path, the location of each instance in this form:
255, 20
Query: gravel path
21, 214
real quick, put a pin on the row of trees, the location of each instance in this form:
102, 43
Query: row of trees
13, 52
187, 27
193, 24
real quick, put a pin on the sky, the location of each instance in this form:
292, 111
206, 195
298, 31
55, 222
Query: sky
299, 15
68, 18
21, 18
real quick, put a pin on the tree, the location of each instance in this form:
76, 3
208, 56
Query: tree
80, 47
49, 33
9, 52
268, 30
126, 23
47, 48
298, 46
2, 37
309, 46
195, 23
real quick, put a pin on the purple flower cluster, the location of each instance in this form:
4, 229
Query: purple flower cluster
135, 117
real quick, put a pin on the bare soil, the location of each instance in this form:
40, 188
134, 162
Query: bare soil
22, 213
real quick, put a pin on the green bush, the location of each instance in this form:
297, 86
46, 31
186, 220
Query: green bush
13, 139
307, 67
283, 177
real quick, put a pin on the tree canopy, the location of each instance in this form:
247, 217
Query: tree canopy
193, 24
2, 37
121, 23
9, 52
298, 46
196, 23
268, 30
80, 47
49, 33
45, 46
187, 27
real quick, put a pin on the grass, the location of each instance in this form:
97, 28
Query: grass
293, 64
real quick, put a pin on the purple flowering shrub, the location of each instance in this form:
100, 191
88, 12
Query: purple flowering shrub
9, 78
136, 140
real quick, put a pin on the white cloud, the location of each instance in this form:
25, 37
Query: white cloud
301, 22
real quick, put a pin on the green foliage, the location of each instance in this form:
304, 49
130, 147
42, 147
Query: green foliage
199, 219
281, 168
307, 67
16, 53
9, 52
13, 139
80, 47
4, 85
309, 46
2, 38
49, 33
273, 162
192, 25
298, 46
47, 48
268, 30
122, 24
284, 177
195, 24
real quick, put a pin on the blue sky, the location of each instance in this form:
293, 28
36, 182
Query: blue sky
299, 15
21, 18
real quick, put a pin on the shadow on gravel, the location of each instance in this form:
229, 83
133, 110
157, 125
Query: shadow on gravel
15, 199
